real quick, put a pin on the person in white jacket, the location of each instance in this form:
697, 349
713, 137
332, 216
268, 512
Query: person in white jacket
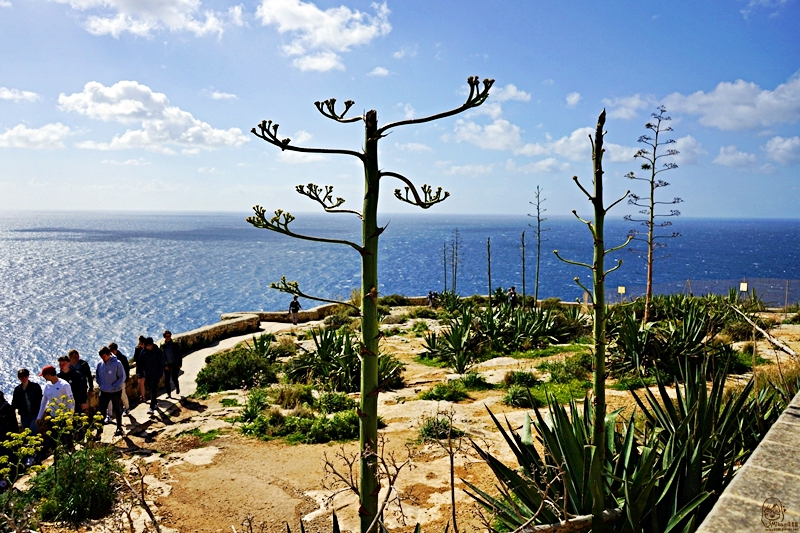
57, 393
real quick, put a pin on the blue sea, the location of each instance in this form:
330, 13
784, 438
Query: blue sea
82, 280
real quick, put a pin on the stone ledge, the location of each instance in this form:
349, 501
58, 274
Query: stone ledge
771, 473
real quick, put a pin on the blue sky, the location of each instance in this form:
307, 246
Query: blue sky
148, 104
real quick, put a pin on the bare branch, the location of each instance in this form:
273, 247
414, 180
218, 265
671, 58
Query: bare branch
585, 288
620, 247
428, 199
269, 132
612, 269
476, 97
280, 224
576, 263
325, 199
618, 201
327, 108
589, 196
293, 287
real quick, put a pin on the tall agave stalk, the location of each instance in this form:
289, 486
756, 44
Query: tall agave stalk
423, 197
599, 273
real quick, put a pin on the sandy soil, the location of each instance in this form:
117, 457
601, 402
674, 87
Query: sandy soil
211, 486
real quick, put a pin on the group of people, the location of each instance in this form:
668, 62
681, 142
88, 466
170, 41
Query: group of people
70, 387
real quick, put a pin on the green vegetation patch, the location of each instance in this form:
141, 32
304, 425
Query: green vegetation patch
334, 402
452, 391
236, 369
204, 436
303, 428
438, 428
552, 350
229, 402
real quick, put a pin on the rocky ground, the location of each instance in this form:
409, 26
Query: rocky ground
202, 475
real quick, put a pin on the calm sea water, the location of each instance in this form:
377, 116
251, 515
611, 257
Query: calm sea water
82, 280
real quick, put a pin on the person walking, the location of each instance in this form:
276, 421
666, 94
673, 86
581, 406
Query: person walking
76, 382
173, 356
81, 366
294, 310
512, 297
149, 369
110, 380
126, 404
26, 400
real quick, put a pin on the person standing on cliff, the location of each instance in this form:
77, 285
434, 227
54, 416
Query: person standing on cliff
126, 406
150, 367
294, 310
174, 359
26, 400
110, 380
81, 366
76, 382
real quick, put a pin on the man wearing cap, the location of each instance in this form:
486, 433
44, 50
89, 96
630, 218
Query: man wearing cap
26, 400
150, 368
110, 380
174, 360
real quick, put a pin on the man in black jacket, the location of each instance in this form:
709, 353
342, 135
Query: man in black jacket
76, 382
150, 367
26, 400
174, 359
81, 366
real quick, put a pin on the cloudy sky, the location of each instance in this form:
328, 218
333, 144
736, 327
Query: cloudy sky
148, 104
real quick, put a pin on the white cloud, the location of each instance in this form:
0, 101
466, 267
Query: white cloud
730, 156
773, 5
783, 150
548, 81
573, 99
408, 111
5, 3
509, 92
206, 170
16, 95
413, 147
143, 18
320, 62
491, 109
49, 136
545, 166
219, 95
162, 125
140, 162
628, 107
298, 139
499, 135
406, 51
689, 150
469, 170
379, 71
318, 37
741, 105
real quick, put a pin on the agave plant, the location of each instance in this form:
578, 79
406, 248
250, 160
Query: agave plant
459, 341
262, 347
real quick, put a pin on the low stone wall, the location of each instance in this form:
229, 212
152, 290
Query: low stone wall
765, 494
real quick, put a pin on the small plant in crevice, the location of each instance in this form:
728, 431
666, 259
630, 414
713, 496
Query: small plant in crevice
520, 396
521, 378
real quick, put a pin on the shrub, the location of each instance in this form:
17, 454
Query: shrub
383, 310
285, 347
261, 346
333, 402
437, 428
520, 396
229, 402
475, 381
79, 485
293, 396
794, 319
394, 319
420, 326
452, 391
739, 331
394, 300
337, 320
574, 367
520, 378
235, 370
257, 400
304, 427
422, 312
551, 303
